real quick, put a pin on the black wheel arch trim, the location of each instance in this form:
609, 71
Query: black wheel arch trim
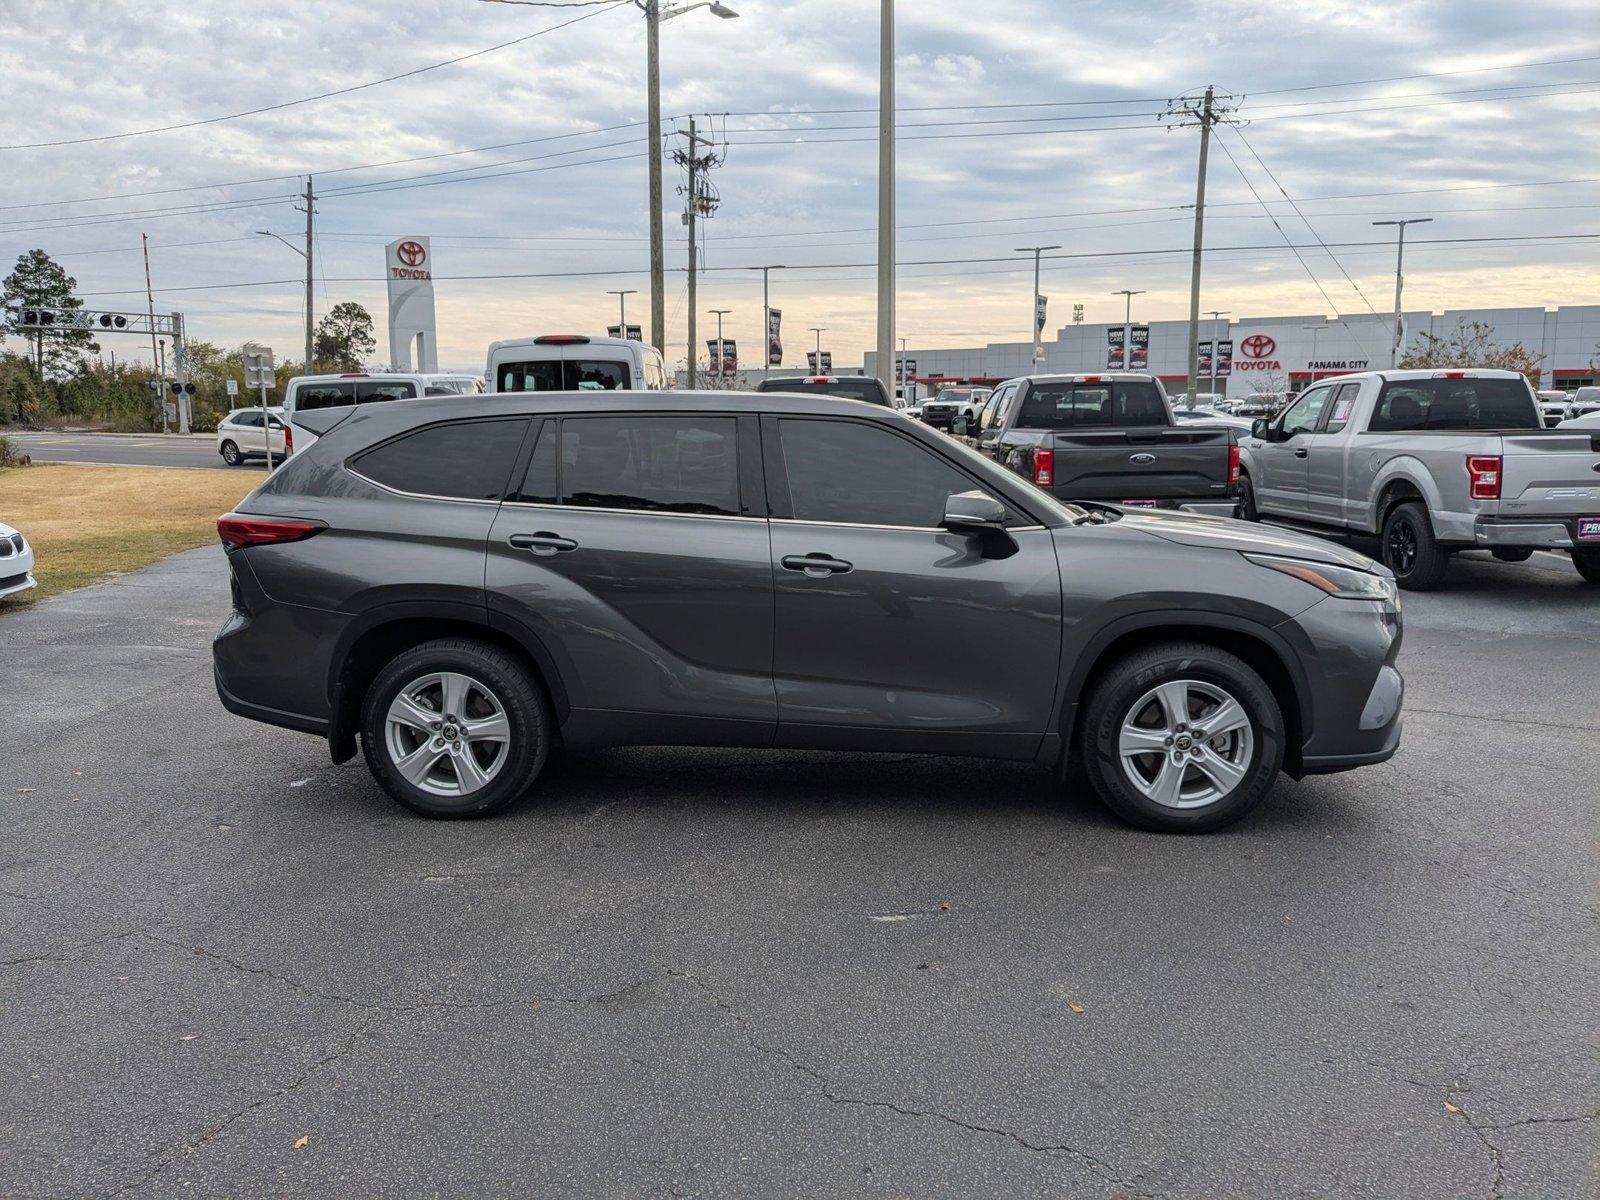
1177, 622
343, 721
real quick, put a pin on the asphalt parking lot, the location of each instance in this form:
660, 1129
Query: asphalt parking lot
231, 968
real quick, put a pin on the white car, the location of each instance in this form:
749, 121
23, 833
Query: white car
1589, 420
1210, 416
16, 562
240, 436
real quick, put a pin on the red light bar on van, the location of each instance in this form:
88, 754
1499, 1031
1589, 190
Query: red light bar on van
1091, 379
1449, 374
561, 339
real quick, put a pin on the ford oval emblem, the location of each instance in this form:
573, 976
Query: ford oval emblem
1142, 460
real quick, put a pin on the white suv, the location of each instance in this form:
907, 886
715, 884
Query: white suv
240, 435
307, 392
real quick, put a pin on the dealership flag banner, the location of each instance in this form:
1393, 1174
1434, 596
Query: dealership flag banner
774, 341
1225, 358
730, 357
1205, 358
632, 333
811, 361
713, 357
1139, 349
827, 362
1038, 313
1115, 338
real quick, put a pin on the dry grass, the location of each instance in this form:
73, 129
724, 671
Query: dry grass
89, 523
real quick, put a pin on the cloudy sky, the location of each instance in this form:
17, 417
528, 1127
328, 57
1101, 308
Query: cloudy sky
1023, 122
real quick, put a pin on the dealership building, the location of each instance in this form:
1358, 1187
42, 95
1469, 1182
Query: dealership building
1268, 354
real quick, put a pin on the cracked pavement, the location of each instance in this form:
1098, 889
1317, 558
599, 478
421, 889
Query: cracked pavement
728, 973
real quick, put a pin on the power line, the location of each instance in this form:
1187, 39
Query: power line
344, 91
1317, 87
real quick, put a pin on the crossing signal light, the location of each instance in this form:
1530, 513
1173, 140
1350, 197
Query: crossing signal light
113, 321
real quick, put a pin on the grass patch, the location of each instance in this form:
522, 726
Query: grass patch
88, 523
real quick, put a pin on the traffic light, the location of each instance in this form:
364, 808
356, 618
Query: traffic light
113, 321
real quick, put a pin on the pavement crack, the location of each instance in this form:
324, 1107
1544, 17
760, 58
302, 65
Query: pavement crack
1127, 1187
1503, 720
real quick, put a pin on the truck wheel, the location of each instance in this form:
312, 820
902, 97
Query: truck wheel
1247, 500
1513, 553
455, 728
1410, 551
1588, 563
1181, 738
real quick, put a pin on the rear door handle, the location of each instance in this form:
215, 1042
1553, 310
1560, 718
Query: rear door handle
1300, 453
815, 565
542, 544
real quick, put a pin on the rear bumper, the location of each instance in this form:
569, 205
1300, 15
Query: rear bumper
1549, 535
260, 712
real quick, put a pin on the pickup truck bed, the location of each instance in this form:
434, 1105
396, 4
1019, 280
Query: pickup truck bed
1109, 438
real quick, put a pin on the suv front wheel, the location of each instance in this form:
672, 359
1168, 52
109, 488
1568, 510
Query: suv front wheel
1181, 738
455, 728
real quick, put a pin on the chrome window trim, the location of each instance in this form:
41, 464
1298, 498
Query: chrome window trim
384, 487
632, 512
889, 528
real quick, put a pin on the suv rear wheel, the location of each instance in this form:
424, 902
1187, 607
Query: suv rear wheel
455, 728
1409, 548
1181, 738
231, 455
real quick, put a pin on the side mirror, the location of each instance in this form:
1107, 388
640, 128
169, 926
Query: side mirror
1261, 428
959, 425
974, 513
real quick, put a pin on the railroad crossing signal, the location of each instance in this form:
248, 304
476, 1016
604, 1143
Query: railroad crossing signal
33, 320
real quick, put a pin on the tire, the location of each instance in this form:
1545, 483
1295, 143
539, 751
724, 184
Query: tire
1409, 549
1513, 554
496, 684
231, 455
1131, 698
1247, 500
1588, 563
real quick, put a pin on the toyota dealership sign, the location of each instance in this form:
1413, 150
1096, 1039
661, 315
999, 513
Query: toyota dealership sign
413, 340
1257, 352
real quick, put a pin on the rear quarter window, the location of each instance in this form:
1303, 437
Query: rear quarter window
462, 460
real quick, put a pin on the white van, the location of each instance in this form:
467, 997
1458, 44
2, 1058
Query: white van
573, 362
307, 392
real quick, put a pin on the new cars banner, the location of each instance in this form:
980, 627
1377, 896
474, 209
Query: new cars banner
1139, 348
1116, 340
774, 341
633, 333
1040, 303
827, 362
713, 357
1225, 357
730, 356
1205, 358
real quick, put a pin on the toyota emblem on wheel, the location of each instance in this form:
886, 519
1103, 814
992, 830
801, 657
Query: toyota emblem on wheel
411, 253
1257, 345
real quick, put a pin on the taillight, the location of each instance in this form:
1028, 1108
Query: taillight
238, 529
288, 439
1233, 462
1484, 472
1044, 466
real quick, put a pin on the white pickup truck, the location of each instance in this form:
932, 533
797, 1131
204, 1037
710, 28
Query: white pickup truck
1433, 462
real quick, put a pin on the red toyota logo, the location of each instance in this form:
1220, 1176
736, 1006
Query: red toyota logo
411, 253
1258, 345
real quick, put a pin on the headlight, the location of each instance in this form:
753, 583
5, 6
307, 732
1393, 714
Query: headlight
1344, 582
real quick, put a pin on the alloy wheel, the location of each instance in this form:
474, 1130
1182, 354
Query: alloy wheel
1400, 547
1186, 744
447, 733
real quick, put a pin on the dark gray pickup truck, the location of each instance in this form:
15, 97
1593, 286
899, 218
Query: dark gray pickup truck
1107, 437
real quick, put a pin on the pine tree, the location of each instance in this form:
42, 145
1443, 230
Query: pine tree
38, 281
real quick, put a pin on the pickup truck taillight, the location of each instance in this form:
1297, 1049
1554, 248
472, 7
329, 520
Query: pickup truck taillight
237, 529
288, 439
1233, 462
1044, 467
1484, 472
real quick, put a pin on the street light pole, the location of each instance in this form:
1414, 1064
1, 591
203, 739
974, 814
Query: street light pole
721, 358
311, 208
886, 212
1311, 363
819, 330
1216, 314
766, 318
1127, 321
622, 295
1033, 317
1399, 280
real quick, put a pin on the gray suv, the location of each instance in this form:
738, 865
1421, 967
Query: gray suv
464, 585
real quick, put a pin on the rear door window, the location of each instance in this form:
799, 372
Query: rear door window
555, 375
374, 390
462, 460
334, 394
1091, 405
665, 464
1419, 404
847, 472
585, 375
1344, 400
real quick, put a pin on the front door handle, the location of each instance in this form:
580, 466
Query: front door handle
543, 544
1300, 452
815, 565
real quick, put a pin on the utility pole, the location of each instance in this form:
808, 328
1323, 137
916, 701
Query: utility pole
1206, 110
1033, 317
1216, 344
886, 208
1399, 282
180, 366
311, 208
900, 373
701, 203
155, 353
658, 262
622, 295
1311, 363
